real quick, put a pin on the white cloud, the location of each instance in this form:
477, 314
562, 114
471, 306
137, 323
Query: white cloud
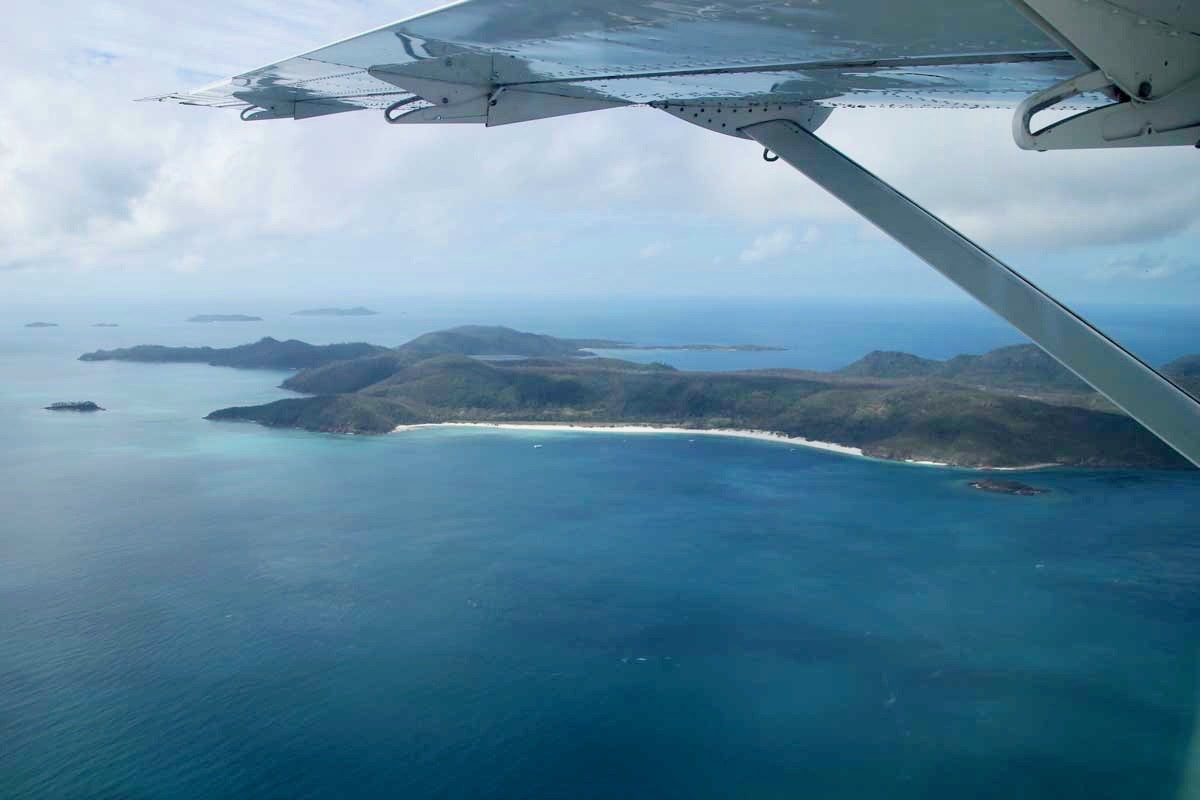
187, 262
964, 166
812, 235
653, 250
93, 181
1142, 267
768, 246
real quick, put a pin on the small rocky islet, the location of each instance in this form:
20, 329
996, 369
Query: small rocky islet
1006, 487
356, 311
224, 318
77, 405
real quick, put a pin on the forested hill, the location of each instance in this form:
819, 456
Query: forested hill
476, 340
472, 340
1022, 365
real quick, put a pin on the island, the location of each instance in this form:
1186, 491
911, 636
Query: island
496, 340
1006, 487
41, 324
85, 405
612, 344
224, 318
266, 353
105, 325
357, 311
1012, 407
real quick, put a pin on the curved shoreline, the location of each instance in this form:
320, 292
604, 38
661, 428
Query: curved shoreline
736, 433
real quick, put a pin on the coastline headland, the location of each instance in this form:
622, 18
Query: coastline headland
1012, 408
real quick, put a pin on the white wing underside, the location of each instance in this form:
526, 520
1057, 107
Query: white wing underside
902, 53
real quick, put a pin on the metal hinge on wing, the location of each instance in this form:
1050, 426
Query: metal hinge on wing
463, 89
287, 108
1142, 54
1173, 119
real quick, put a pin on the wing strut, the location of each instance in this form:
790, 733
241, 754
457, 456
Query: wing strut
1166, 410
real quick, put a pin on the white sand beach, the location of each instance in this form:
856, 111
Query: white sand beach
1048, 465
767, 436
738, 433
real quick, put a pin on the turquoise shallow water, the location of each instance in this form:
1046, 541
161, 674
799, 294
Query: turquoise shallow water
198, 610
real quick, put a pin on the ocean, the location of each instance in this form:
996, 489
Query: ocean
206, 610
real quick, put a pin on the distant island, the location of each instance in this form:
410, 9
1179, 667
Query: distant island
494, 340
105, 325
357, 311
223, 318
1012, 407
85, 405
266, 353
41, 324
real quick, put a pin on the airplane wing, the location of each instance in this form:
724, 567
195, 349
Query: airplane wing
773, 71
496, 62
852, 52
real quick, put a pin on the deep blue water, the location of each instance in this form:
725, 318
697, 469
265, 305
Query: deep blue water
201, 610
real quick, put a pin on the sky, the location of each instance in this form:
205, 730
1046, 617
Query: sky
102, 197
